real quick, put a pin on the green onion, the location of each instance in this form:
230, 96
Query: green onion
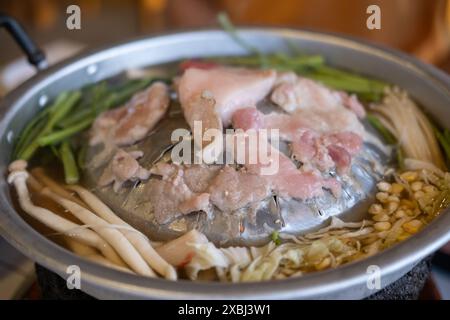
29, 133
95, 96
70, 167
308, 66
63, 104
59, 113
81, 156
447, 135
228, 27
75, 118
400, 158
61, 135
388, 137
385, 133
445, 144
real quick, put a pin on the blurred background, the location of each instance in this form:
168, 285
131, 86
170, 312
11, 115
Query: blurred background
419, 27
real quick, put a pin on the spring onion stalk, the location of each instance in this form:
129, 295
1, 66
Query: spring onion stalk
35, 126
313, 67
400, 158
443, 141
326, 70
96, 94
388, 137
27, 136
62, 135
376, 123
277, 61
447, 135
228, 27
307, 66
123, 94
87, 117
59, 113
62, 106
71, 174
75, 118
81, 156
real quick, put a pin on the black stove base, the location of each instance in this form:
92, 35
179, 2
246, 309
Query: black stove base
408, 287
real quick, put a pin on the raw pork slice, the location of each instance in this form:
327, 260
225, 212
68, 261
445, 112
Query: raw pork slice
234, 189
171, 196
123, 167
229, 88
131, 123
304, 94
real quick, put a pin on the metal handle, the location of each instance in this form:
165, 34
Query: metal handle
35, 55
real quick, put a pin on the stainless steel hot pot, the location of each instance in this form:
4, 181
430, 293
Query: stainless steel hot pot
426, 84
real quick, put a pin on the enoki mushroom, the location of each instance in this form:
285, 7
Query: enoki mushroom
414, 132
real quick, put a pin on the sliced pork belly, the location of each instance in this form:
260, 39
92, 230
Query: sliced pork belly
289, 181
131, 123
304, 94
123, 167
352, 103
230, 88
326, 151
191, 188
280, 173
235, 189
165, 170
341, 158
309, 146
350, 141
290, 125
197, 177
